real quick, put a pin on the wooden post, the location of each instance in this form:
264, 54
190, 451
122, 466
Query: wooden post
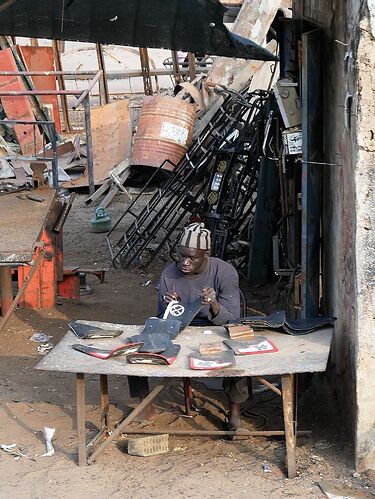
81, 418
145, 66
6, 289
103, 82
104, 400
287, 385
90, 163
192, 66
61, 83
176, 67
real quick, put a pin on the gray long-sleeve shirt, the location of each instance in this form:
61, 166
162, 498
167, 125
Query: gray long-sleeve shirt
219, 275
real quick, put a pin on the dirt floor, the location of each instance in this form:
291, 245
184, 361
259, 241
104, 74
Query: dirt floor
217, 468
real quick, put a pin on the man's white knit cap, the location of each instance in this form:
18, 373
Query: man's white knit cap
196, 236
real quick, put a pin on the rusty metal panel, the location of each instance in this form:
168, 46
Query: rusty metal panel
164, 131
41, 59
18, 107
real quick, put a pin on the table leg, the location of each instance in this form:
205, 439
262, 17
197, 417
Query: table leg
104, 400
125, 422
81, 418
287, 384
6, 289
188, 395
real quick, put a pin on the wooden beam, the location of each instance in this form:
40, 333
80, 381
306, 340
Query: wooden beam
103, 82
61, 83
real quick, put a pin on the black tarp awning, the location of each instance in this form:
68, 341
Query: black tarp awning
189, 25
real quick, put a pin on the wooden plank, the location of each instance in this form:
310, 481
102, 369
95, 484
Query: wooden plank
111, 138
41, 59
253, 21
297, 354
18, 107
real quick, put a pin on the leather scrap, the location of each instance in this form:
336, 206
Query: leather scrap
103, 354
165, 358
85, 331
210, 362
258, 345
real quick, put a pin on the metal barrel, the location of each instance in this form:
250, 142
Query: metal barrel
164, 131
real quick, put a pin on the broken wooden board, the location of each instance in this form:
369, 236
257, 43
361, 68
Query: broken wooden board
122, 171
18, 107
253, 21
111, 141
41, 59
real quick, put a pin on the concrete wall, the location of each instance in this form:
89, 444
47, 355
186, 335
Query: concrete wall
349, 209
365, 247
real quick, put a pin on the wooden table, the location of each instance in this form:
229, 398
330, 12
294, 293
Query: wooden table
297, 354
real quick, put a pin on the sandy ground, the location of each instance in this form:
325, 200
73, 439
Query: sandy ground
217, 468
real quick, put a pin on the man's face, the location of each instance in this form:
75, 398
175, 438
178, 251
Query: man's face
191, 260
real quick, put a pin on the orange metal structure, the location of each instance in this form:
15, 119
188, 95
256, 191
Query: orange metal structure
18, 107
41, 59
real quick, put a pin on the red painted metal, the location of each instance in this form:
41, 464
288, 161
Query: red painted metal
69, 287
18, 107
41, 292
41, 59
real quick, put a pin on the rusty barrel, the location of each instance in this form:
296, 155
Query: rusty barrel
164, 131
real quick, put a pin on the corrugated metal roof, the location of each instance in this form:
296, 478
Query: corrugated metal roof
190, 25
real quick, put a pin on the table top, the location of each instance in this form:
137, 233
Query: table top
296, 354
21, 222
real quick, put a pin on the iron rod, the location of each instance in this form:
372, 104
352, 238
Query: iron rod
211, 433
90, 164
86, 92
15, 93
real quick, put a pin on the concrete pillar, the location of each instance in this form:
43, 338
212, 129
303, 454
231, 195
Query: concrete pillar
365, 250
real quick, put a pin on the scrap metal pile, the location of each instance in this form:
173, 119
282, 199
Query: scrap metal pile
215, 182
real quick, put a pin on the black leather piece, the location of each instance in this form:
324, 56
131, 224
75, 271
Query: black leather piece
165, 358
189, 312
277, 320
258, 345
274, 321
309, 324
153, 343
155, 325
297, 327
85, 331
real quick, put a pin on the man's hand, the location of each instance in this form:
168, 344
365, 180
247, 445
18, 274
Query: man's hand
209, 298
208, 295
171, 296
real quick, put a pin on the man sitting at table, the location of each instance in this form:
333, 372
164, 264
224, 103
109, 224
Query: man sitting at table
198, 275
